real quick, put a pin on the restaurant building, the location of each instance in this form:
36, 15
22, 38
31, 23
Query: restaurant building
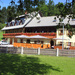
33, 31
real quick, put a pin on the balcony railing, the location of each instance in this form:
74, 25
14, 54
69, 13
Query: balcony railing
48, 35
29, 34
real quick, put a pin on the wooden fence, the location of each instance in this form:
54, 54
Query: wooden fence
51, 52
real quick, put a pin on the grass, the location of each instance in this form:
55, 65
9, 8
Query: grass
1, 35
15, 64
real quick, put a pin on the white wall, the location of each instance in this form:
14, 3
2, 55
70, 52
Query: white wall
72, 40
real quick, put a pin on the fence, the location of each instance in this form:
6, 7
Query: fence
51, 52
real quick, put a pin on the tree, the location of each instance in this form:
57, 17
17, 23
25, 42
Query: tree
51, 8
11, 13
4, 14
44, 10
20, 8
66, 10
28, 5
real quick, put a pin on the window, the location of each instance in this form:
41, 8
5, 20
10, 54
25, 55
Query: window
60, 32
38, 41
73, 19
54, 20
18, 40
35, 42
42, 42
69, 43
28, 40
60, 43
8, 24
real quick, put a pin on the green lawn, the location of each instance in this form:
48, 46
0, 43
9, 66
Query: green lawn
1, 35
14, 64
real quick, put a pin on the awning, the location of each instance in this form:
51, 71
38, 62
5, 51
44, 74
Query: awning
32, 37
22, 36
60, 39
38, 37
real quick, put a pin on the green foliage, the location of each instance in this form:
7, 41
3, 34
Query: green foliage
70, 29
1, 35
51, 10
44, 10
11, 11
2, 25
20, 7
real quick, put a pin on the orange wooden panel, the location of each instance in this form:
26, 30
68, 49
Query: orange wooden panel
72, 48
55, 47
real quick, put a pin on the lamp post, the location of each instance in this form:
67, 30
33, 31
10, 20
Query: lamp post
62, 24
63, 38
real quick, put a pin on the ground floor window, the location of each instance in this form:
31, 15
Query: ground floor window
35, 42
18, 41
38, 42
28, 41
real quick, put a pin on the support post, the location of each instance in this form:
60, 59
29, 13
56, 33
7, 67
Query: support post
6, 49
38, 51
21, 50
63, 39
57, 52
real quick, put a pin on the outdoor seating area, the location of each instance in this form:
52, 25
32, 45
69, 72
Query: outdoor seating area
28, 45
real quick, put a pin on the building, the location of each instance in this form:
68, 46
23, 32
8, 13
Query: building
30, 31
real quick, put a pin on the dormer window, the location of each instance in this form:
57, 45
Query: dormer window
8, 24
39, 21
23, 21
17, 22
13, 22
54, 20
73, 19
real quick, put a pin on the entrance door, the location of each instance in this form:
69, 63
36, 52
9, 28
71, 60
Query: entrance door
52, 43
10, 41
21, 40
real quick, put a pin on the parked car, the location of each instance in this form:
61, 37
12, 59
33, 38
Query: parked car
3, 42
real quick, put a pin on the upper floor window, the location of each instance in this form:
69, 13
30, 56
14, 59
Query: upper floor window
61, 32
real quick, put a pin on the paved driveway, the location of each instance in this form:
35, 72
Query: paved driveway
6, 45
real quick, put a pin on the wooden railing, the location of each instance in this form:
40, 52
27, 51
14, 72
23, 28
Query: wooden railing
49, 35
72, 47
27, 45
60, 47
53, 34
55, 47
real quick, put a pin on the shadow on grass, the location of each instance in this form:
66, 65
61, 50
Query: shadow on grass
13, 64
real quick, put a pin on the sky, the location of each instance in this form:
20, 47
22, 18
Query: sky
5, 3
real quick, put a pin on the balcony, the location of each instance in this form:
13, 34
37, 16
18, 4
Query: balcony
49, 35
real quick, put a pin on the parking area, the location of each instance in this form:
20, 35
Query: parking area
6, 45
